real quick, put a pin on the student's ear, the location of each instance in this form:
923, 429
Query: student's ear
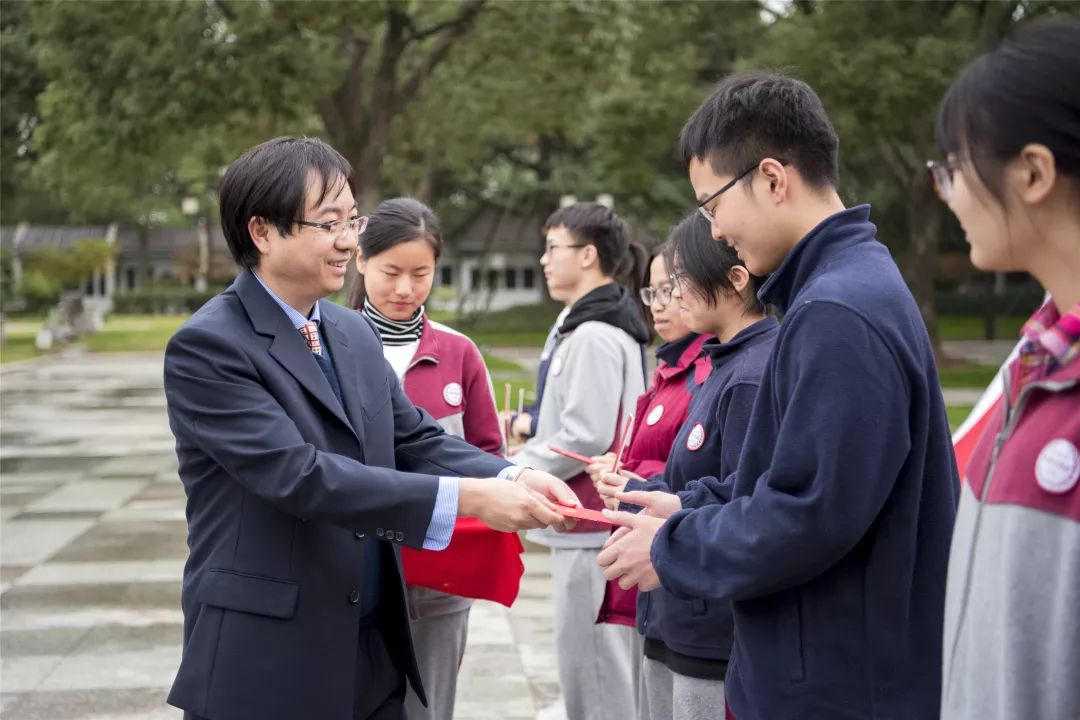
589, 256
361, 263
740, 279
1033, 172
260, 230
776, 175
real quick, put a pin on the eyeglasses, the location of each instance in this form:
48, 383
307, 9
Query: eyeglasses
708, 214
661, 295
353, 226
549, 247
941, 177
676, 279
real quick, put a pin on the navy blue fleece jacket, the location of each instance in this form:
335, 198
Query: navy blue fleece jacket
834, 544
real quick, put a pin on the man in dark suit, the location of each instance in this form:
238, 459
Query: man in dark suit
306, 467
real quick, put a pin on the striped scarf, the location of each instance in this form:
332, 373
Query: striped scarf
396, 332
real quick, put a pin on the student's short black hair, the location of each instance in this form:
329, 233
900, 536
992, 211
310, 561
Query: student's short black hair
756, 115
269, 181
1025, 91
691, 250
594, 224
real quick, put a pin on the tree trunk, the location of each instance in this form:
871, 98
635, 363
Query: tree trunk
924, 225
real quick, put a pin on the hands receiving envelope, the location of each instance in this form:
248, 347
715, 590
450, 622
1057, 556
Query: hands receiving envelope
626, 556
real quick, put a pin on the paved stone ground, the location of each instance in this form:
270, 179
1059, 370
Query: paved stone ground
92, 546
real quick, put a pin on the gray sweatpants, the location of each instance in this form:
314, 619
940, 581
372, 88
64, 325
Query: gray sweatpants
440, 626
594, 660
667, 695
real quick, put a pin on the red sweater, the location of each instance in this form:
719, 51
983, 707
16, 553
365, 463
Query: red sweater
661, 412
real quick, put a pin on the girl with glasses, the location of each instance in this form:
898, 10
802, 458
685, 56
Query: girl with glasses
688, 641
442, 372
660, 413
1010, 125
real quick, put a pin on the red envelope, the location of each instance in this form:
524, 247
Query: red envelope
583, 514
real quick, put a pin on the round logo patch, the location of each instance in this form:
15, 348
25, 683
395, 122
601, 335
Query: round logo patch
1058, 466
696, 438
654, 415
452, 394
556, 366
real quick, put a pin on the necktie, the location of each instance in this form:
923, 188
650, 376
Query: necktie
310, 331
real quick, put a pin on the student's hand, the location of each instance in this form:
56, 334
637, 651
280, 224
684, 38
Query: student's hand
609, 485
521, 429
657, 504
552, 490
506, 506
627, 557
600, 464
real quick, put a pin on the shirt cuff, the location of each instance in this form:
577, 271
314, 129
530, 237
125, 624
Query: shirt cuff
441, 528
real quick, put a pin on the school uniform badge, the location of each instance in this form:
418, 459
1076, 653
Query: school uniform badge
1057, 469
654, 415
452, 394
696, 438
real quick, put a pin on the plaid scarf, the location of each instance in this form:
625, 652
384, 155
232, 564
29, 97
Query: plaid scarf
1050, 341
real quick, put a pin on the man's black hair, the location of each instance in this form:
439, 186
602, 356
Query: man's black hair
758, 115
269, 181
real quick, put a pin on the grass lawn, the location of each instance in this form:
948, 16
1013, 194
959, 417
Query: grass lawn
135, 333
971, 327
967, 376
957, 414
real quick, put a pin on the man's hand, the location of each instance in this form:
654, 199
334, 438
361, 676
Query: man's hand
506, 506
657, 504
626, 555
552, 490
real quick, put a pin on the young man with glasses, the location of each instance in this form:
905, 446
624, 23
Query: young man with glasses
307, 468
592, 378
831, 538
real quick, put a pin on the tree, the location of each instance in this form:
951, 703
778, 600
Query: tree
881, 75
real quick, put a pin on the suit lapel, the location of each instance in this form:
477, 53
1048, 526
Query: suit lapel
287, 346
348, 371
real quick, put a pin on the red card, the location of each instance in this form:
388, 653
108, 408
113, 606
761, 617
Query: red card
572, 455
583, 514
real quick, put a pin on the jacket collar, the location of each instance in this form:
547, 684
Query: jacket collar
677, 356
832, 235
429, 349
719, 352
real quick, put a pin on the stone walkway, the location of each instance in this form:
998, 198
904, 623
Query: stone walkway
92, 546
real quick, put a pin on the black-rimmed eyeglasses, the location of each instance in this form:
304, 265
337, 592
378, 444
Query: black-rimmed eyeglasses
339, 228
708, 214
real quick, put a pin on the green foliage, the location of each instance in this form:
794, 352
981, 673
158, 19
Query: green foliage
161, 301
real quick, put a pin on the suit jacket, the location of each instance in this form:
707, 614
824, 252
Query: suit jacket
283, 487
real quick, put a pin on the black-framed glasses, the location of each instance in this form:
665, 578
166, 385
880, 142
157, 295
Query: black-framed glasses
708, 214
661, 295
549, 247
941, 177
339, 228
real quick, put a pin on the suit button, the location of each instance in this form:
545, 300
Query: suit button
359, 536
400, 536
380, 532
354, 597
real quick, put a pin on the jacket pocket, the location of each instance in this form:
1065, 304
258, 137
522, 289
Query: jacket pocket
254, 594
791, 639
699, 607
